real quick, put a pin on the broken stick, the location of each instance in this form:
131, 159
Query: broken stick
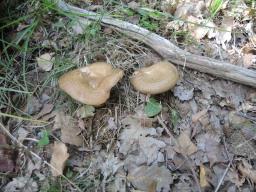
168, 50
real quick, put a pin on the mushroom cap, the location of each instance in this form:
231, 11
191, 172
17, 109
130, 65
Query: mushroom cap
155, 79
91, 85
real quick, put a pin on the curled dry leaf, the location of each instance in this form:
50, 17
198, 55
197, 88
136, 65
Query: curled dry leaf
247, 171
203, 177
45, 61
184, 145
185, 9
69, 130
145, 177
200, 27
59, 157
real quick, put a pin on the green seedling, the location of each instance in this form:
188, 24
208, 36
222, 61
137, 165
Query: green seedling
44, 139
215, 7
152, 108
174, 117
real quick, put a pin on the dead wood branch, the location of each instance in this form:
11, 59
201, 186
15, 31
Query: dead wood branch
168, 50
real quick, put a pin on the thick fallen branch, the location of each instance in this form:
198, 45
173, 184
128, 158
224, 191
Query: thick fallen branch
168, 50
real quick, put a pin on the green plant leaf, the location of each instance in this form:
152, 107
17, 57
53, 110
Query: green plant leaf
146, 23
86, 111
174, 117
69, 173
128, 12
152, 13
152, 108
44, 139
215, 6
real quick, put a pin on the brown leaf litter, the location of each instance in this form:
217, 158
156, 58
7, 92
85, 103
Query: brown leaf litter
8, 156
152, 178
135, 137
184, 145
59, 157
70, 132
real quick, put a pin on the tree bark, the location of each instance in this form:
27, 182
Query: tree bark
168, 50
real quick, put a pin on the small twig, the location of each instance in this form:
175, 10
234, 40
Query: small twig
222, 178
165, 127
36, 156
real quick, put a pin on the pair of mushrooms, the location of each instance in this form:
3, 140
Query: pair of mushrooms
91, 85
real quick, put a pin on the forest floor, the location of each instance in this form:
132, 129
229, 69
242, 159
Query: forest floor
199, 136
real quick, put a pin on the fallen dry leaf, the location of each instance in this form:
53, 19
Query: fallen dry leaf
137, 138
19, 184
184, 184
8, 156
80, 25
198, 115
32, 165
69, 130
231, 176
247, 171
184, 145
223, 35
85, 111
234, 94
33, 106
145, 178
47, 108
203, 177
210, 144
249, 56
119, 183
200, 28
185, 9
59, 157
45, 61
22, 134
183, 92
110, 166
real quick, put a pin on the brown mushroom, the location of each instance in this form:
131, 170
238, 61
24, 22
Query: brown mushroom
91, 85
155, 79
